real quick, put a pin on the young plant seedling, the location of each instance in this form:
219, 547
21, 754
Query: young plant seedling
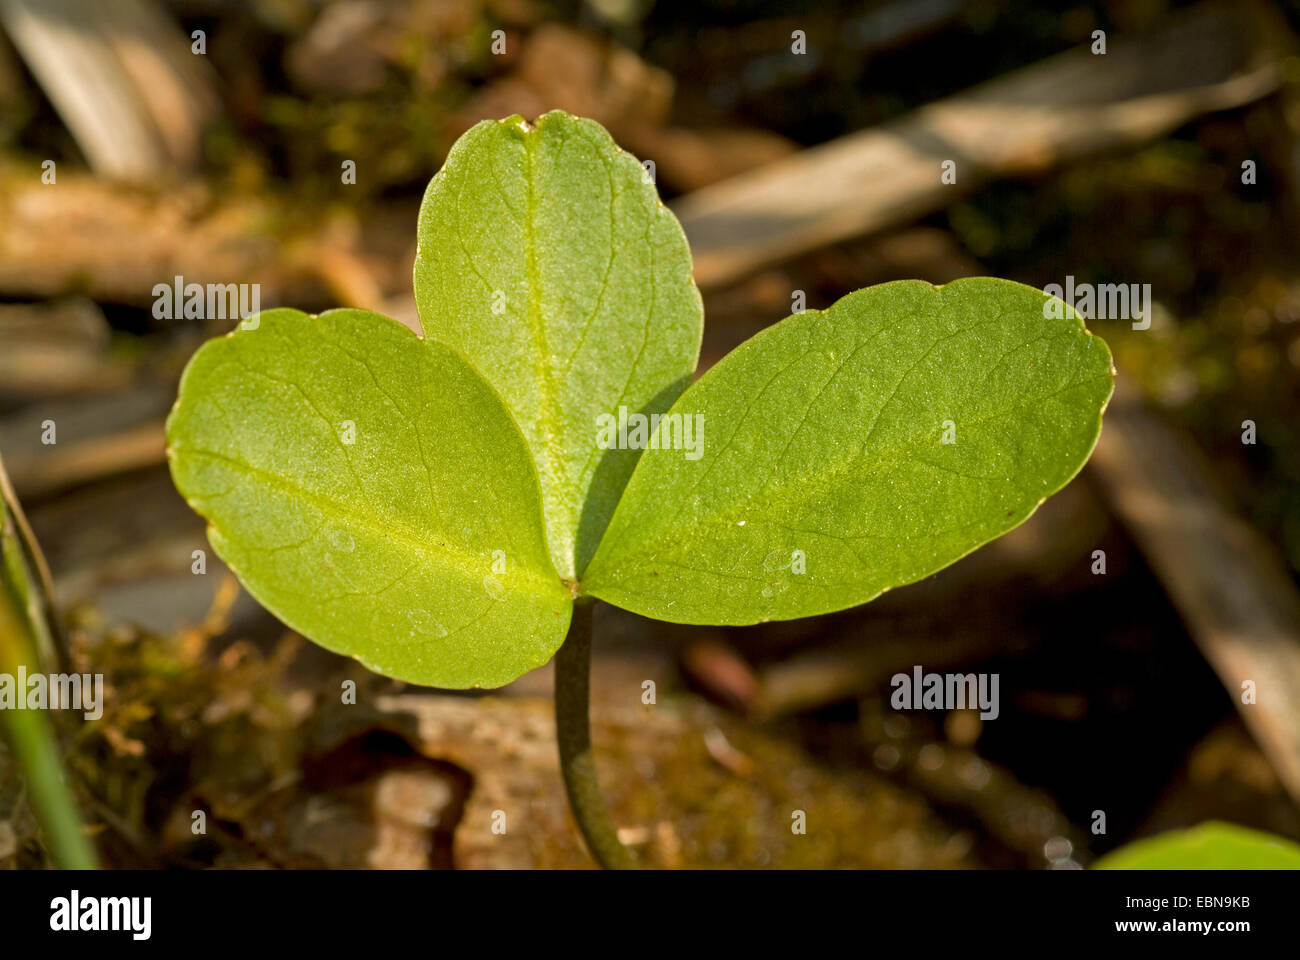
445, 507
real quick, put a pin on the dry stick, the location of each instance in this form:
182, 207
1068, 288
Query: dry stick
122, 77
1233, 592
1067, 107
116, 434
573, 731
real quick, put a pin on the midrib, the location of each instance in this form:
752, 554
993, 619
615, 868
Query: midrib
548, 407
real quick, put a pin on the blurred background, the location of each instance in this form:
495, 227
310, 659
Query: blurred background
1113, 142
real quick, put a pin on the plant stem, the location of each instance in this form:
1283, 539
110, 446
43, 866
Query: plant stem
50, 645
573, 731
27, 641
36, 751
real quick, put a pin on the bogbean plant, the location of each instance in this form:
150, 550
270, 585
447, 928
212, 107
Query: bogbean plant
446, 506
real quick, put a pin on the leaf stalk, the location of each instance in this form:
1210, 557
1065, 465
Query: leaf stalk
573, 731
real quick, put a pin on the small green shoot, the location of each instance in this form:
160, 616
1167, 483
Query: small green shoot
437, 506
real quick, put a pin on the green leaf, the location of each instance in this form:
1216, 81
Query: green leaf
1208, 846
824, 452
546, 258
418, 547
